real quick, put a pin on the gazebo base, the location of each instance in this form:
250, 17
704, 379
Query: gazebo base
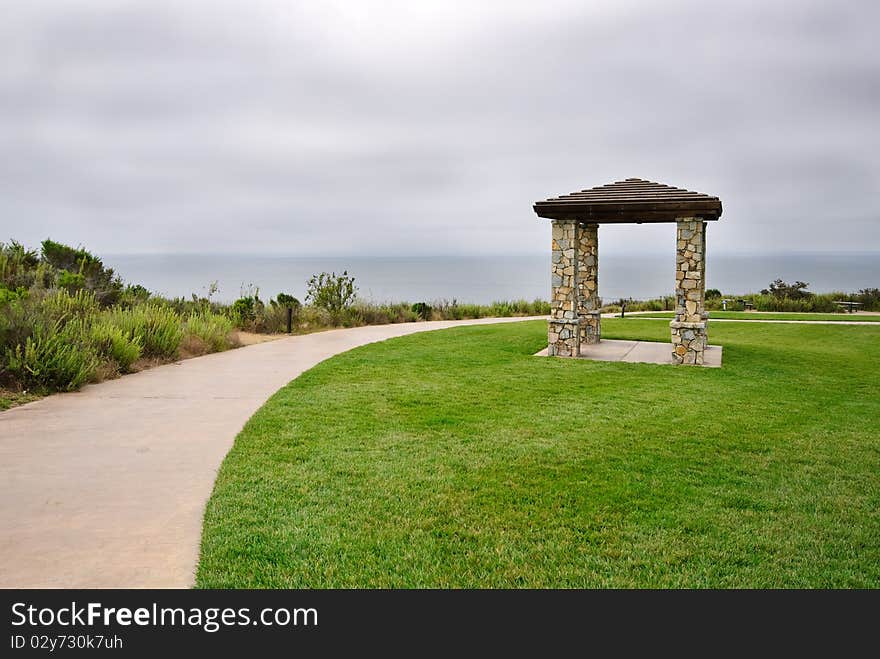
688, 342
643, 352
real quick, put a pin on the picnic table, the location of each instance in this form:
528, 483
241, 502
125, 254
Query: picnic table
846, 304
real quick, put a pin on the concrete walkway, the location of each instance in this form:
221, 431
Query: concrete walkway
107, 487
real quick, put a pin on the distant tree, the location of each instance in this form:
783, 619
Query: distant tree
72, 281
21, 268
14, 249
245, 309
287, 301
331, 291
712, 293
869, 299
85, 270
133, 295
422, 310
779, 289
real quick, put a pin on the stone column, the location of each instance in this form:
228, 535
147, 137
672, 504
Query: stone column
588, 283
563, 335
689, 336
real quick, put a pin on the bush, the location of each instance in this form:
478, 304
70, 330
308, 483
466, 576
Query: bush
83, 268
809, 304
7, 295
314, 317
64, 305
332, 292
244, 311
869, 298
29, 311
366, 313
273, 319
781, 290
71, 281
115, 345
211, 329
20, 267
422, 310
56, 357
287, 301
502, 309
134, 295
158, 329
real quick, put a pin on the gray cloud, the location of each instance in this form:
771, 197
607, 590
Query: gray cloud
430, 127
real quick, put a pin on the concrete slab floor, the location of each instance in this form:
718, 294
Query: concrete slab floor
642, 352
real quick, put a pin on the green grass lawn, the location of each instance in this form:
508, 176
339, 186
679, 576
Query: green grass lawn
457, 459
748, 315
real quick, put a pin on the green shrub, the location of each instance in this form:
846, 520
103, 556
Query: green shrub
212, 329
71, 281
272, 319
102, 281
158, 329
287, 301
134, 295
314, 317
56, 357
7, 295
332, 292
20, 267
64, 305
367, 313
869, 299
782, 290
114, 344
244, 311
516, 308
29, 311
422, 310
809, 304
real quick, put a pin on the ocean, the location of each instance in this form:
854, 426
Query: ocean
484, 279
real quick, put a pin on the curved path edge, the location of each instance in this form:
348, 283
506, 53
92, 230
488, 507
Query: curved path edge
106, 487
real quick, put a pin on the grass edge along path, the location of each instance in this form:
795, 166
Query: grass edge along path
765, 315
457, 459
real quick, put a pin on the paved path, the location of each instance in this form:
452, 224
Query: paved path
106, 487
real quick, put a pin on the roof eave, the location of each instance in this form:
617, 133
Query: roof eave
608, 215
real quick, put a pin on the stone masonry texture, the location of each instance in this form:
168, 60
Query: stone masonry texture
574, 297
689, 336
588, 283
563, 335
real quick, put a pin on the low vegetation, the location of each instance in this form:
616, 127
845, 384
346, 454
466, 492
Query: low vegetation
66, 319
778, 297
394, 466
769, 315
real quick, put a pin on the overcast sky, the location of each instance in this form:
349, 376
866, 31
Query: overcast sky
415, 127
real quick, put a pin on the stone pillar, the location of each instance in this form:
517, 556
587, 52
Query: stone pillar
588, 283
563, 335
689, 336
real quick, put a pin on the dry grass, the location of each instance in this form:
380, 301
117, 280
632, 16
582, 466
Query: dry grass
241, 338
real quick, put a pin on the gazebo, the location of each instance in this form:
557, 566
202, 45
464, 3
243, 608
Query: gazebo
574, 299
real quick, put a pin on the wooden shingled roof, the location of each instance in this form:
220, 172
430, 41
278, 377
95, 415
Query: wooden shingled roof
632, 200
